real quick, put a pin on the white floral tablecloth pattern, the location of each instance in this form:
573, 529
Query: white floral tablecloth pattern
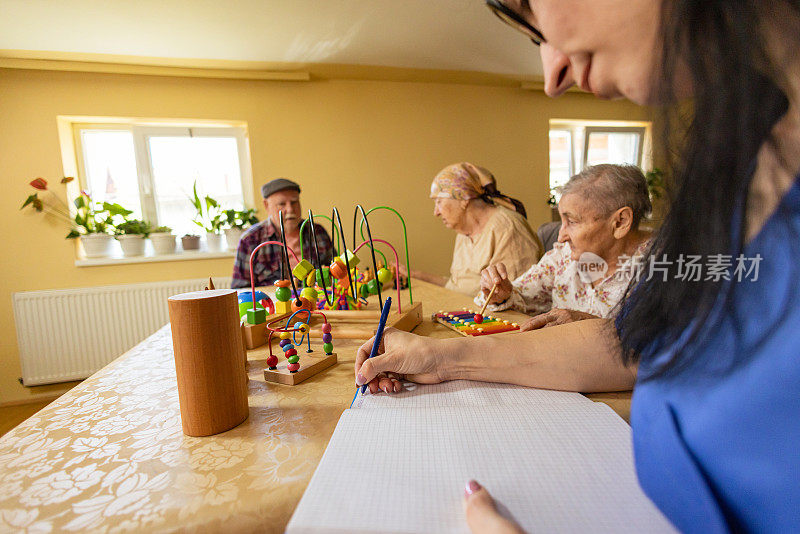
110, 455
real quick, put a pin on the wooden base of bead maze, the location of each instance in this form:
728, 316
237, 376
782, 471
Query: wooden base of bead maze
346, 322
255, 335
463, 322
310, 365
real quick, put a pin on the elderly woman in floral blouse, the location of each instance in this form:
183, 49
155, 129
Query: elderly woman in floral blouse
588, 270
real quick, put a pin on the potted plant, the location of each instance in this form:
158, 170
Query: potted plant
90, 222
553, 203
163, 240
236, 222
131, 234
209, 218
190, 242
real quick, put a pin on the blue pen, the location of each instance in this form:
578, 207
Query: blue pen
379, 334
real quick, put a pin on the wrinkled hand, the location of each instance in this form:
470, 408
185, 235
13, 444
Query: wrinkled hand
496, 274
482, 514
554, 317
400, 356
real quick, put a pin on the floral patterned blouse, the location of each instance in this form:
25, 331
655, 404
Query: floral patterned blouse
555, 282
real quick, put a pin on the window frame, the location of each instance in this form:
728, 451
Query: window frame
571, 159
589, 130
144, 170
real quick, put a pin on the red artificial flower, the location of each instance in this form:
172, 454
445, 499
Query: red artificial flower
40, 184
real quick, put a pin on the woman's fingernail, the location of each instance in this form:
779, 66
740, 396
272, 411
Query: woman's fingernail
472, 487
360, 380
386, 389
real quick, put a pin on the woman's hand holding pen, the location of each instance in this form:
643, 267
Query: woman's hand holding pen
496, 275
400, 355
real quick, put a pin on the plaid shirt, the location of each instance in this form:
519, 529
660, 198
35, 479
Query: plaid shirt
267, 263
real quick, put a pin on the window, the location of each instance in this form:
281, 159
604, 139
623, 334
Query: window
575, 145
151, 169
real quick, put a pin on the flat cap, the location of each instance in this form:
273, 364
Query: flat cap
278, 184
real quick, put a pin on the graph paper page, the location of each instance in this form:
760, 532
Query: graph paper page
561, 468
465, 393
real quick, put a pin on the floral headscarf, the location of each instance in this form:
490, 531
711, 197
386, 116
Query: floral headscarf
465, 181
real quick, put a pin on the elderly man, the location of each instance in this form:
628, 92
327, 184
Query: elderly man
280, 195
588, 270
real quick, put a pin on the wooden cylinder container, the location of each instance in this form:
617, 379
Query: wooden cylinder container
212, 381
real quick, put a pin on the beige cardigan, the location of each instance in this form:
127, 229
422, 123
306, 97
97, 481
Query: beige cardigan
507, 238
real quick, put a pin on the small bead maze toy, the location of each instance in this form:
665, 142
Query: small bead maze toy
290, 373
339, 292
465, 323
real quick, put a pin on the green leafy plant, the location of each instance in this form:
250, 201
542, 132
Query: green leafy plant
552, 201
209, 213
133, 227
162, 230
655, 182
90, 217
240, 218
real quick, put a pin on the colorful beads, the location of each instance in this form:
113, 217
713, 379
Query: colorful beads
338, 269
291, 352
384, 275
326, 328
309, 293
285, 342
287, 347
283, 294
328, 348
302, 304
372, 287
326, 274
272, 361
327, 338
286, 335
302, 269
293, 367
294, 358
301, 326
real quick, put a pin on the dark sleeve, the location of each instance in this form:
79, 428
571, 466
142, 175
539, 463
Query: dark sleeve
241, 265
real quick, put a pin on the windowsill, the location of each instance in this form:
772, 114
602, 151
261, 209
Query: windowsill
150, 257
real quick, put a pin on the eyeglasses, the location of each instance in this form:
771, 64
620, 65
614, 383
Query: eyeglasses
513, 19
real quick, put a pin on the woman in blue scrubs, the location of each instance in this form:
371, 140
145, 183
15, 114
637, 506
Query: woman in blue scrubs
714, 355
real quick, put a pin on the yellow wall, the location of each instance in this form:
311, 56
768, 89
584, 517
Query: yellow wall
347, 142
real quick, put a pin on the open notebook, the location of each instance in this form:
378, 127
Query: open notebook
555, 461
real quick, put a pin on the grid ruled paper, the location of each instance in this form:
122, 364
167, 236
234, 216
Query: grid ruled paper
558, 467
465, 393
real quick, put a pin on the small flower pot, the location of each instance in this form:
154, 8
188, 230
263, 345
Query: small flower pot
163, 242
96, 245
190, 242
132, 245
215, 242
232, 237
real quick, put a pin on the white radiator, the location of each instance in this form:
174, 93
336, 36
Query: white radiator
68, 334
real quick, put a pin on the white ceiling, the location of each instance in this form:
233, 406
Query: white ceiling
429, 34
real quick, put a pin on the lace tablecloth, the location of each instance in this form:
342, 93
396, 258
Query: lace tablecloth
110, 455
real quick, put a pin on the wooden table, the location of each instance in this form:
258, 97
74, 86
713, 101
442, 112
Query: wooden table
110, 455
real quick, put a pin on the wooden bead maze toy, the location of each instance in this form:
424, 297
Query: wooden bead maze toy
291, 372
339, 292
343, 290
465, 324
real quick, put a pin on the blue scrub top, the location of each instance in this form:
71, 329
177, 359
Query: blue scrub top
717, 438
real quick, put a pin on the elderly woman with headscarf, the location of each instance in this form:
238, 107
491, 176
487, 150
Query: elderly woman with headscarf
588, 270
491, 227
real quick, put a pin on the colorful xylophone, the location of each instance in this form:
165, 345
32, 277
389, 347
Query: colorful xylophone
464, 323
